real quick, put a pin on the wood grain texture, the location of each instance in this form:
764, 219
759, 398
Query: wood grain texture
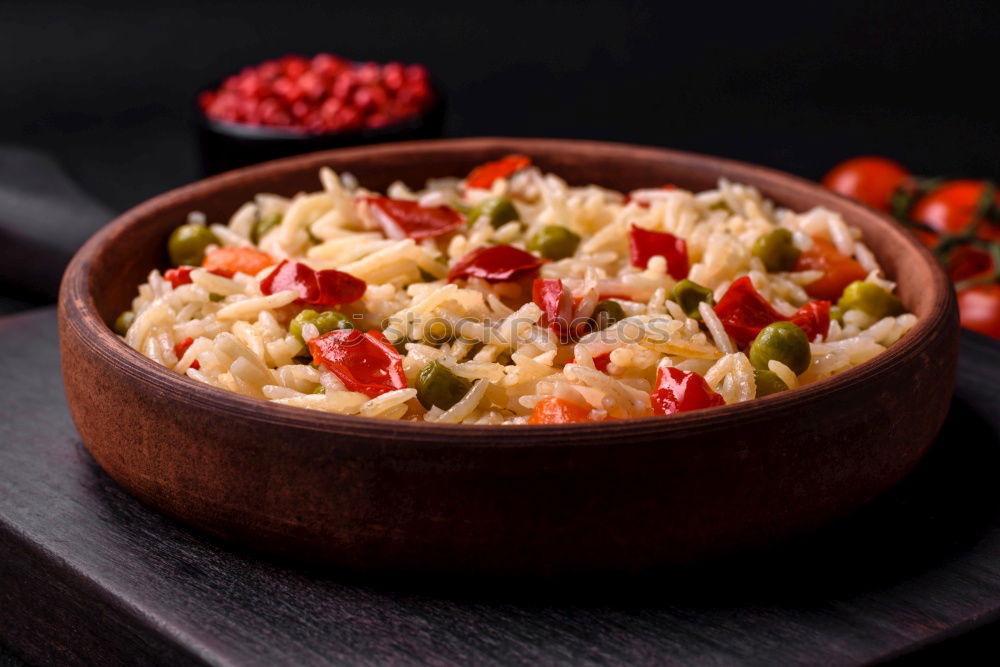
88, 574
381, 494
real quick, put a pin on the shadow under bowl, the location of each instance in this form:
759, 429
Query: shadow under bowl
381, 494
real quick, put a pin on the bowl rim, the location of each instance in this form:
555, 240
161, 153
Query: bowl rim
78, 310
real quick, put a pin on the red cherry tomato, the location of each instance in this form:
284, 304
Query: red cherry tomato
484, 175
951, 207
498, 263
321, 288
979, 309
681, 391
968, 262
228, 262
401, 218
364, 362
839, 271
552, 410
869, 179
744, 312
644, 244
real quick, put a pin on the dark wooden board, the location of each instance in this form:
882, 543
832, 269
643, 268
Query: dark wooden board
45, 216
88, 574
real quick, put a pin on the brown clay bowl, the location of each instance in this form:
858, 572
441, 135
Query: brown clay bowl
375, 494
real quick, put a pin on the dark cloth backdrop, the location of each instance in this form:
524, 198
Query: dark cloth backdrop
108, 88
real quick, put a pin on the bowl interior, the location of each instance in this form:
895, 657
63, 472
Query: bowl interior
128, 249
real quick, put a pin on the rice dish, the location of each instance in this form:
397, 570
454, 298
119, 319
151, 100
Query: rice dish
510, 296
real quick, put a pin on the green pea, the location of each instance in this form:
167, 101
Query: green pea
498, 210
215, 298
554, 242
263, 225
688, 294
123, 322
438, 332
776, 250
326, 322
768, 382
871, 299
187, 244
607, 313
836, 313
784, 342
436, 385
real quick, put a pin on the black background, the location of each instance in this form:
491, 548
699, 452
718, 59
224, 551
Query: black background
798, 86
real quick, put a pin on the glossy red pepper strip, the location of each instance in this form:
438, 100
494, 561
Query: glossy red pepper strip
364, 362
402, 218
484, 175
744, 312
321, 288
495, 263
179, 276
681, 391
644, 244
556, 303
813, 318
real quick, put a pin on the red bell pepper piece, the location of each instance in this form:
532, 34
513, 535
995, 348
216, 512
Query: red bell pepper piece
553, 410
179, 276
182, 347
601, 361
644, 243
496, 263
321, 288
484, 175
813, 318
681, 391
839, 271
364, 362
556, 303
744, 312
402, 218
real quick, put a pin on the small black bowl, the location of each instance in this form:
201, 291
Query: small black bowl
225, 146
